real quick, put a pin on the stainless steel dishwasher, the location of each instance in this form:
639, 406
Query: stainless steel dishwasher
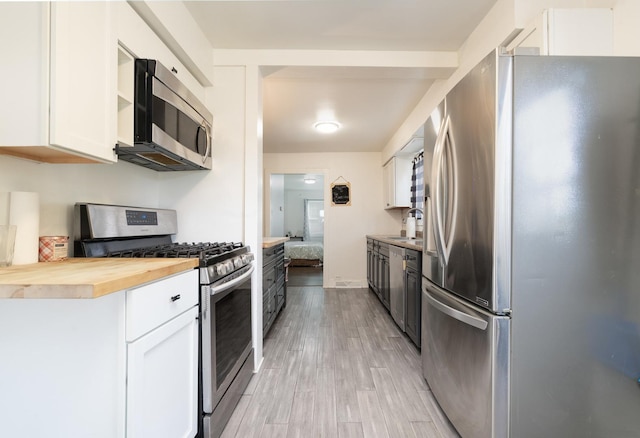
396, 285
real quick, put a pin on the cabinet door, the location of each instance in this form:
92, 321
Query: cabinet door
384, 281
83, 81
370, 267
388, 175
266, 312
568, 32
414, 305
396, 177
280, 297
162, 380
376, 273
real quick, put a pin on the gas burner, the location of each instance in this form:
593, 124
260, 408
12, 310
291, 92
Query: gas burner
204, 250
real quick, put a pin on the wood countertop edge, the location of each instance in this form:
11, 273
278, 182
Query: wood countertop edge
95, 289
268, 242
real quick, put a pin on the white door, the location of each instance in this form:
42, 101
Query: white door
162, 380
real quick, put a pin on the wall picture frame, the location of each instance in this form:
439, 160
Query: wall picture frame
341, 194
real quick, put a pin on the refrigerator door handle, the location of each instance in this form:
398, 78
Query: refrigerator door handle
456, 314
429, 240
446, 185
451, 164
436, 210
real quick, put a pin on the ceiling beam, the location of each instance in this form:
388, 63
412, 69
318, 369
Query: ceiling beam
333, 58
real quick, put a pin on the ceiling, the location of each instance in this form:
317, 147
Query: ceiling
296, 181
370, 103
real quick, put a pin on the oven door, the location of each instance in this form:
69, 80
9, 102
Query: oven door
226, 335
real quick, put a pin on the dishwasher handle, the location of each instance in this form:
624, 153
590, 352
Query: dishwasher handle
455, 313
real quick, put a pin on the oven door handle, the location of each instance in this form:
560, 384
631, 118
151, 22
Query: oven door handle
233, 283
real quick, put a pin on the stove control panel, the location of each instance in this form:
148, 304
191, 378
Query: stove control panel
218, 270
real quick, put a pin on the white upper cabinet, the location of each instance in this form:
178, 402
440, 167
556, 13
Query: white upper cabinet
60, 80
578, 32
141, 41
396, 180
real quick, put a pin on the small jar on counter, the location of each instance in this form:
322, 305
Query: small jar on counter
53, 248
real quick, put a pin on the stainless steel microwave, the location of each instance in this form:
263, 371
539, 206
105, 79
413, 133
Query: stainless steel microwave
172, 128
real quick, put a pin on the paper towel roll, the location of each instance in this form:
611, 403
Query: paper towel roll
411, 227
24, 212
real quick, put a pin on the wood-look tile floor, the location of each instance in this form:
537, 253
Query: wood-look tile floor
336, 365
304, 276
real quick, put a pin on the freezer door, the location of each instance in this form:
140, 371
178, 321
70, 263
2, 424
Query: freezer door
465, 360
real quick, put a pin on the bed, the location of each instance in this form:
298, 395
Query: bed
304, 253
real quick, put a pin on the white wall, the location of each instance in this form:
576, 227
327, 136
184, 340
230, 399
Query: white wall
626, 28
294, 209
211, 204
345, 226
60, 186
276, 206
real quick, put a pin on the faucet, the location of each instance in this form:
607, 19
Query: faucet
413, 236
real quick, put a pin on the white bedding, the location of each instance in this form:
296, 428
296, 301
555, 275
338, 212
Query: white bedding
306, 250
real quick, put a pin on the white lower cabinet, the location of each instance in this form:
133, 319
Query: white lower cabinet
124, 365
162, 380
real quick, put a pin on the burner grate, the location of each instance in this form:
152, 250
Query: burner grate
203, 250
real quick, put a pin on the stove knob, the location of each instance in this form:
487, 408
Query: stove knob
229, 265
237, 262
221, 268
247, 258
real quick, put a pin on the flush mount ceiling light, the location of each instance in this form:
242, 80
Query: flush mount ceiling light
327, 127
309, 180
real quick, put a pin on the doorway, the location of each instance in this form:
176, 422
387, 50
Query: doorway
296, 210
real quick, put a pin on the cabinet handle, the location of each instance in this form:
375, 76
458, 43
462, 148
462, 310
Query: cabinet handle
173, 69
175, 297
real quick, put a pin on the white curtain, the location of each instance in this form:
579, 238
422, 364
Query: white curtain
313, 219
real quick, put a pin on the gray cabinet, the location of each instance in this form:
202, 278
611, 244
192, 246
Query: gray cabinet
274, 287
413, 295
378, 269
383, 273
379, 282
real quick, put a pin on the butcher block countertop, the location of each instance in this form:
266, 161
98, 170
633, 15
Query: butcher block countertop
268, 242
86, 277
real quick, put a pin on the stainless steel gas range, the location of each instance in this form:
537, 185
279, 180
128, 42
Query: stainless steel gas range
225, 271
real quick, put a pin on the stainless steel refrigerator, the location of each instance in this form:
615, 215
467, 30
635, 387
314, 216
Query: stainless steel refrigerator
531, 264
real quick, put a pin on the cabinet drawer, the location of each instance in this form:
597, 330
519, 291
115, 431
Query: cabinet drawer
272, 254
154, 304
269, 276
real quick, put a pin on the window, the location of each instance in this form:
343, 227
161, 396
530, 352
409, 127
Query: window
313, 219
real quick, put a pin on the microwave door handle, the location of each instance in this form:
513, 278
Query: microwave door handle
207, 140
